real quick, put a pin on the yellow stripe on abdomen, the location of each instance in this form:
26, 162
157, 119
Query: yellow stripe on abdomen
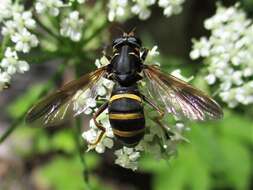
129, 96
125, 116
128, 133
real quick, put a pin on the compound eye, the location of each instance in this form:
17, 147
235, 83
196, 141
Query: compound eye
117, 41
134, 40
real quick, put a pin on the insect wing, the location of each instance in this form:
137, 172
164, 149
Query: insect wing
178, 97
62, 103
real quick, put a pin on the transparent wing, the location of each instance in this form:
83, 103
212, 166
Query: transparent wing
178, 97
63, 103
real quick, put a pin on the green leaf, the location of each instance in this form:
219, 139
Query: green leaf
237, 163
63, 140
218, 156
66, 173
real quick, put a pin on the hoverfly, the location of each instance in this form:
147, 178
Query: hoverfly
125, 106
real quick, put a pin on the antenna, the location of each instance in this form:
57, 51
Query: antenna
131, 33
121, 30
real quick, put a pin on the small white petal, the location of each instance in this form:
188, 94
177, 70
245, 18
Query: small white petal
71, 26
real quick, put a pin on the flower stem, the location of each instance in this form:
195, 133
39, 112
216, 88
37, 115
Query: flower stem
3, 46
20, 119
96, 32
80, 151
45, 28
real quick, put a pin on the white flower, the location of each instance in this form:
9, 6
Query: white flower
81, 1
4, 79
228, 54
18, 23
106, 143
141, 8
17, 29
177, 73
154, 51
5, 9
9, 28
24, 40
72, 26
50, 6
201, 48
127, 158
92, 134
152, 56
103, 61
83, 102
78, 1
101, 91
24, 19
117, 9
11, 63
171, 6
16, 26
210, 79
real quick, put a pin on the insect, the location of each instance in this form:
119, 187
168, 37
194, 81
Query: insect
126, 69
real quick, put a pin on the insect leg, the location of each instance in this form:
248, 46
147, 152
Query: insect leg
153, 105
144, 53
158, 119
98, 125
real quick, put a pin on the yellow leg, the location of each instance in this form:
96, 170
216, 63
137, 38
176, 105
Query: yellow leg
92, 145
158, 119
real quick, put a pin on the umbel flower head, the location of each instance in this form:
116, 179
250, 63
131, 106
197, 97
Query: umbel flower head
155, 142
120, 9
17, 26
228, 54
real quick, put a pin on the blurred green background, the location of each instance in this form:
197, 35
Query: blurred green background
219, 156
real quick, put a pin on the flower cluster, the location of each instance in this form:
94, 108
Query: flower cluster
141, 8
119, 9
155, 142
6, 9
89, 105
228, 54
171, 6
17, 26
49, 6
72, 26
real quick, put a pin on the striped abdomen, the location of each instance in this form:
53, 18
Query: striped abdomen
126, 117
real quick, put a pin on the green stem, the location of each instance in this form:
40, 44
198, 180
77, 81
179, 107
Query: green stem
20, 119
41, 56
46, 29
3, 46
12, 128
80, 149
96, 32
